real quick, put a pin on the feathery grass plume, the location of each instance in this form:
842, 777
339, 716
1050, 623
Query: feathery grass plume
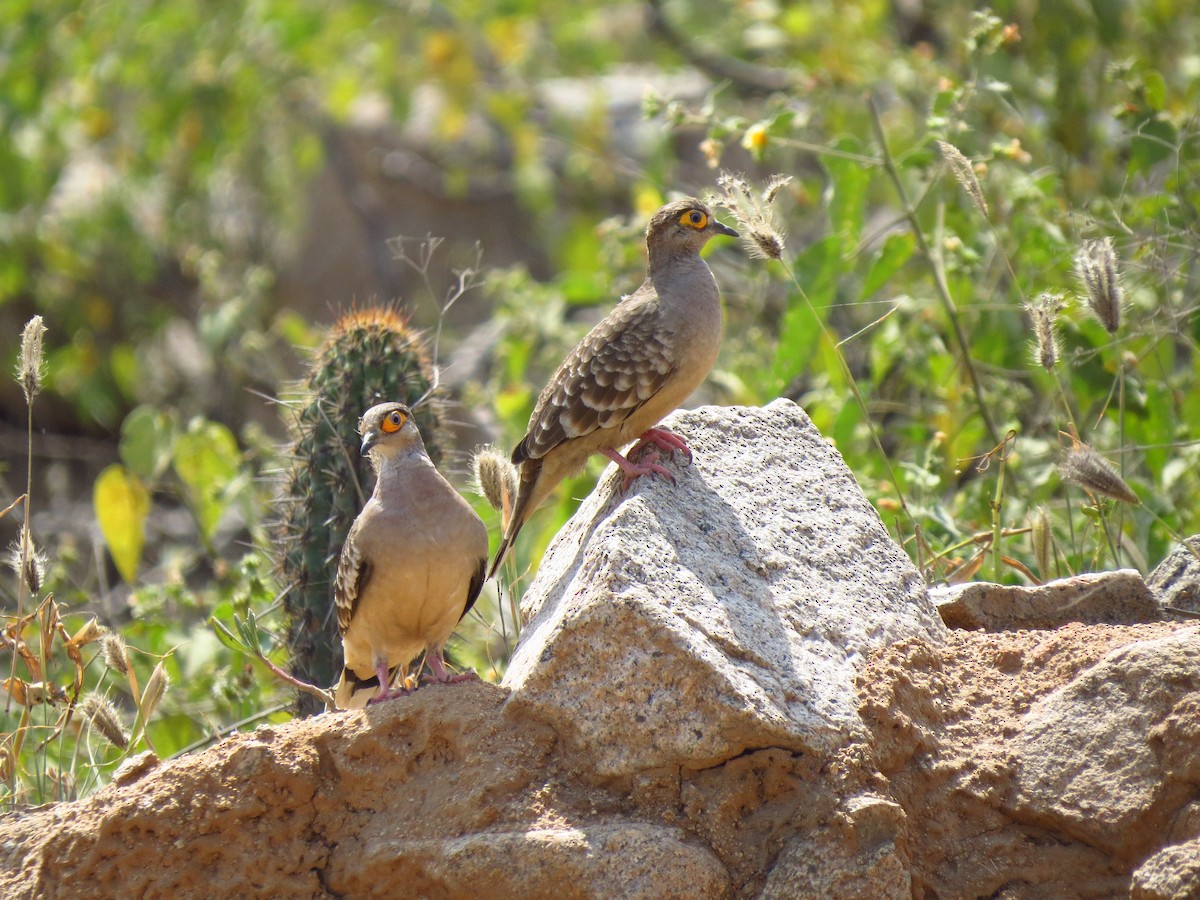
495, 477
1043, 313
31, 362
103, 717
115, 652
1041, 537
27, 561
761, 237
1096, 266
156, 686
1095, 474
964, 174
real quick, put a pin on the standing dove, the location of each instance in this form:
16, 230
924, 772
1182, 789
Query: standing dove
412, 565
638, 364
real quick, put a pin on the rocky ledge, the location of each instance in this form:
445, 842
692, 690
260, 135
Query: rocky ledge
736, 686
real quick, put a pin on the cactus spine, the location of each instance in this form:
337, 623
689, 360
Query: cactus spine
369, 357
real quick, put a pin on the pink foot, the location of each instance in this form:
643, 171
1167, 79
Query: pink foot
663, 440
441, 676
634, 470
386, 693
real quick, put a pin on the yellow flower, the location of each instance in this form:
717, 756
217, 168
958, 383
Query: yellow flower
755, 139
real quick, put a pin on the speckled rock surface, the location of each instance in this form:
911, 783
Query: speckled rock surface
732, 610
1102, 598
1176, 580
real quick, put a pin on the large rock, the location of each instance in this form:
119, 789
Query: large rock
685, 624
1109, 756
435, 795
1043, 763
1111, 598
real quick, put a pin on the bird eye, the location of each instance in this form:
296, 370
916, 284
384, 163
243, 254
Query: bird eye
394, 422
694, 218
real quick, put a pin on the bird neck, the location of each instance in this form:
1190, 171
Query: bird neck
678, 273
393, 467
665, 262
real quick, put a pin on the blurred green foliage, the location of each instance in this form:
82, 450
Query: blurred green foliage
154, 161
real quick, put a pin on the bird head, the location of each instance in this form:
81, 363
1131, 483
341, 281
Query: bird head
387, 430
683, 226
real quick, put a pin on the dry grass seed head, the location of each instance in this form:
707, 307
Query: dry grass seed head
1097, 268
1042, 314
28, 561
30, 363
964, 174
103, 717
761, 237
155, 688
1092, 472
495, 477
115, 652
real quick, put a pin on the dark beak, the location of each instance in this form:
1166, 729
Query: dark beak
724, 229
368, 442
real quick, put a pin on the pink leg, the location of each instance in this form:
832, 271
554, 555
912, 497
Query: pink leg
385, 692
441, 676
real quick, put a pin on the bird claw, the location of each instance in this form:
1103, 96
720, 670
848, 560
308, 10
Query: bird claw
439, 675
637, 470
388, 694
661, 439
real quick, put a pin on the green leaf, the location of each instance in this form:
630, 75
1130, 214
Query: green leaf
897, 249
248, 628
206, 461
122, 504
146, 439
227, 637
848, 182
1155, 90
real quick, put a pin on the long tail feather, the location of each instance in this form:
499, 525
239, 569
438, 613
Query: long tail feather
531, 471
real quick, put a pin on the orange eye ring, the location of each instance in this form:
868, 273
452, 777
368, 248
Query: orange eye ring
394, 422
693, 218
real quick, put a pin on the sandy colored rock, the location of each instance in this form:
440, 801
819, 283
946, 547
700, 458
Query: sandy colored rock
948, 726
1089, 761
859, 857
1171, 874
731, 610
278, 811
1109, 598
620, 860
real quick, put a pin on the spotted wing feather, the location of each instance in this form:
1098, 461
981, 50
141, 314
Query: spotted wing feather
353, 571
623, 362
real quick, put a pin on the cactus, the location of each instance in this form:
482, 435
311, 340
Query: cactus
370, 356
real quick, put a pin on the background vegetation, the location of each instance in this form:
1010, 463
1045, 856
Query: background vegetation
949, 165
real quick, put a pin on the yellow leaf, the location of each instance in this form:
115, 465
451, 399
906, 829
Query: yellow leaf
122, 503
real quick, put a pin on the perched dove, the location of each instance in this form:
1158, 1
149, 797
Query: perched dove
412, 565
638, 364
